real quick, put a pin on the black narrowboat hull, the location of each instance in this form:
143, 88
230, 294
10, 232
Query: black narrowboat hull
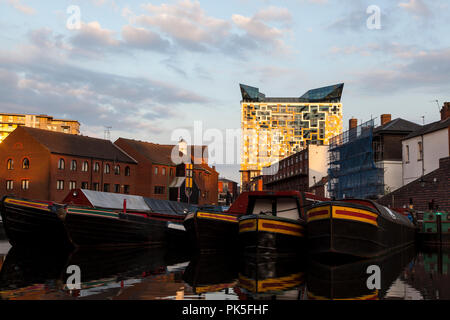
94, 227
32, 223
212, 232
35, 223
260, 234
354, 230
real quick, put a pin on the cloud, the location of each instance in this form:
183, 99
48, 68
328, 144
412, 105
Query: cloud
17, 4
186, 23
144, 39
35, 79
425, 69
417, 7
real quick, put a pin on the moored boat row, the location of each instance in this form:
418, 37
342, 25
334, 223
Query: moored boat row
290, 223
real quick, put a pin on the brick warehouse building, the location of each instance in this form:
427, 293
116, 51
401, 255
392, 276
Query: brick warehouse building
161, 178
46, 165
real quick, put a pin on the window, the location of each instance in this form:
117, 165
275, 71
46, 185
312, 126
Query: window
25, 184
420, 151
117, 188
73, 165
96, 186
106, 187
171, 172
407, 154
159, 190
60, 185
72, 185
9, 185
156, 171
61, 164
127, 171
26, 163
107, 169
96, 167
126, 189
163, 171
85, 167
10, 164
84, 185
117, 170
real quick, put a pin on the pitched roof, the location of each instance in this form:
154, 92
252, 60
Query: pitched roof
429, 128
159, 153
398, 125
76, 145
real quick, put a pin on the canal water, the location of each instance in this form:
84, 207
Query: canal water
154, 274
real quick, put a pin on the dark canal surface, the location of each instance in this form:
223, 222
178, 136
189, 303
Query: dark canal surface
154, 274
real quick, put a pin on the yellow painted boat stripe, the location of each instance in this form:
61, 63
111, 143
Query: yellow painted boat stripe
247, 225
217, 216
313, 214
28, 204
280, 227
373, 296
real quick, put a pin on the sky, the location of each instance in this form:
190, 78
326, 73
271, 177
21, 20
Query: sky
150, 68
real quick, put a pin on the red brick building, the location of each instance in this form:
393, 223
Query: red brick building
228, 191
46, 165
161, 178
431, 192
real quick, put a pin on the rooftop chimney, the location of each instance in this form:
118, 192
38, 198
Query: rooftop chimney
352, 123
445, 112
385, 118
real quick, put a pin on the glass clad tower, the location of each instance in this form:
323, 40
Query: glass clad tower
275, 128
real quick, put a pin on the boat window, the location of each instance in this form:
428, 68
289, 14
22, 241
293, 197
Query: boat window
263, 206
287, 208
391, 213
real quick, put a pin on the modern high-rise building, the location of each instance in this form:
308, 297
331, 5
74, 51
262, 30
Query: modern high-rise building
10, 121
275, 128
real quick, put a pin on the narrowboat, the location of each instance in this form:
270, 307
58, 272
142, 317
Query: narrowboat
211, 231
274, 224
356, 228
30, 222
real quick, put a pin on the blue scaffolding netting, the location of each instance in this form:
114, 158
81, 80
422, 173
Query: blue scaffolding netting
352, 170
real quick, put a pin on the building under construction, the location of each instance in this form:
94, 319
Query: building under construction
366, 161
352, 169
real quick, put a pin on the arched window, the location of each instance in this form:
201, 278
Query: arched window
26, 164
73, 165
127, 171
107, 168
61, 164
96, 167
10, 164
117, 170
85, 167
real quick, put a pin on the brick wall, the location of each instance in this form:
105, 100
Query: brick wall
436, 188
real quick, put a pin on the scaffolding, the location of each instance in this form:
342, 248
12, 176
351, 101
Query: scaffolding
352, 170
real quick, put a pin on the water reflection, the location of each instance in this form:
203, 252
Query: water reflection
157, 273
